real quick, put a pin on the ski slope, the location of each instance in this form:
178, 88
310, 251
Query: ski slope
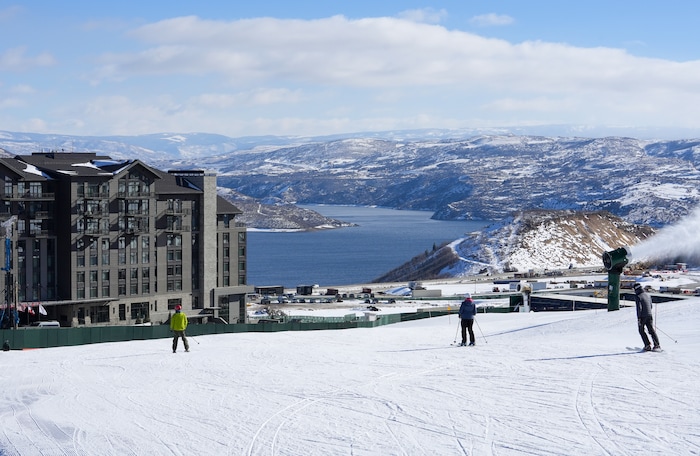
536, 383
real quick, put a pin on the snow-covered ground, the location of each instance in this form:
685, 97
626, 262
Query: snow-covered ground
536, 383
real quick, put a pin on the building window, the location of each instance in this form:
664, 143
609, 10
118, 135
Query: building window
174, 302
139, 311
105, 251
122, 312
99, 314
121, 245
174, 240
105, 284
145, 249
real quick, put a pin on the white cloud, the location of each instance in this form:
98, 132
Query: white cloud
15, 59
385, 52
426, 15
491, 19
335, 74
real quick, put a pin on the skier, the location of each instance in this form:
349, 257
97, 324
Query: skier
644, 318
467, 311
178, 324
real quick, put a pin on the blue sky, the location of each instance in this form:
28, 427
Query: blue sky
312, 68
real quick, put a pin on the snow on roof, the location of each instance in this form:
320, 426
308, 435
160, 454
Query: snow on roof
31, 169
86, 165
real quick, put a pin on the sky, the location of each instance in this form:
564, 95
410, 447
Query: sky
317, 68
545, 383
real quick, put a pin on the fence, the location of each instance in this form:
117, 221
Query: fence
27, 338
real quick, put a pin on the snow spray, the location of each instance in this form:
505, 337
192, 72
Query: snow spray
678, 241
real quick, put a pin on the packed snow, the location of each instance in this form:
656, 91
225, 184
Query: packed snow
545, 383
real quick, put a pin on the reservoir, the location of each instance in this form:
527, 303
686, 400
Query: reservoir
383, 240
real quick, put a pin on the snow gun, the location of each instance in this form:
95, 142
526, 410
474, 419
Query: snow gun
615, 261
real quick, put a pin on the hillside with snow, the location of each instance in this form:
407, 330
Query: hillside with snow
530, 240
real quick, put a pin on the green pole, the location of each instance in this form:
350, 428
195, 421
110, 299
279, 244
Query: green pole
613, 291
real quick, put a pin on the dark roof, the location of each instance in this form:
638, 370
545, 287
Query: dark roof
173, 184
83, 164
23, 170
223, 206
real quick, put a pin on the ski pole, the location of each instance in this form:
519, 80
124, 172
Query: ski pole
662, 332
482, 333
456, 331
190, 337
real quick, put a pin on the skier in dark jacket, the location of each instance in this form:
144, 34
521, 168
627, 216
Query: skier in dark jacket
467, 312
644, 317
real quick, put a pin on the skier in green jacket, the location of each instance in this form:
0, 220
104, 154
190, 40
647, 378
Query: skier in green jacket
178, 324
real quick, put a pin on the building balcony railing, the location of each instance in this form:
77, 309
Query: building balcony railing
133, 194
43, 196
136, 213
177, 228
91, 231
95, 195
40, 233
176, 212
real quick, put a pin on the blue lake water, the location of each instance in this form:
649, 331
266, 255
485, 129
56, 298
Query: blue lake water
383, 240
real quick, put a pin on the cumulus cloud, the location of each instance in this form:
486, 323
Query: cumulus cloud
398, 72
385, 52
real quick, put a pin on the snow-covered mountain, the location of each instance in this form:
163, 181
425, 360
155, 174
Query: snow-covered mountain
486, 177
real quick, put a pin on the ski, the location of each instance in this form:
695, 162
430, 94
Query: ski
641, 350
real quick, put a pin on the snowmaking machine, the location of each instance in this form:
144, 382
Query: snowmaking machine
614, 262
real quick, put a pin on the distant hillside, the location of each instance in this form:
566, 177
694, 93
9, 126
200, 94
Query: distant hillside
539, 240
272, 214
458, 175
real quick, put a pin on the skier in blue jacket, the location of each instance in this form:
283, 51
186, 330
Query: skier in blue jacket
467, 312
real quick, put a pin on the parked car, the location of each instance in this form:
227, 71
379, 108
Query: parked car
45, 324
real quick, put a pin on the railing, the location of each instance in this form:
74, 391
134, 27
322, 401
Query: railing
28, 196
133, 194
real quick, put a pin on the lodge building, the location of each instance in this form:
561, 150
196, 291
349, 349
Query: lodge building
90, 240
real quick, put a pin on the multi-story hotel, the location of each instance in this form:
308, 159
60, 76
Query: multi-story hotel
94, 241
